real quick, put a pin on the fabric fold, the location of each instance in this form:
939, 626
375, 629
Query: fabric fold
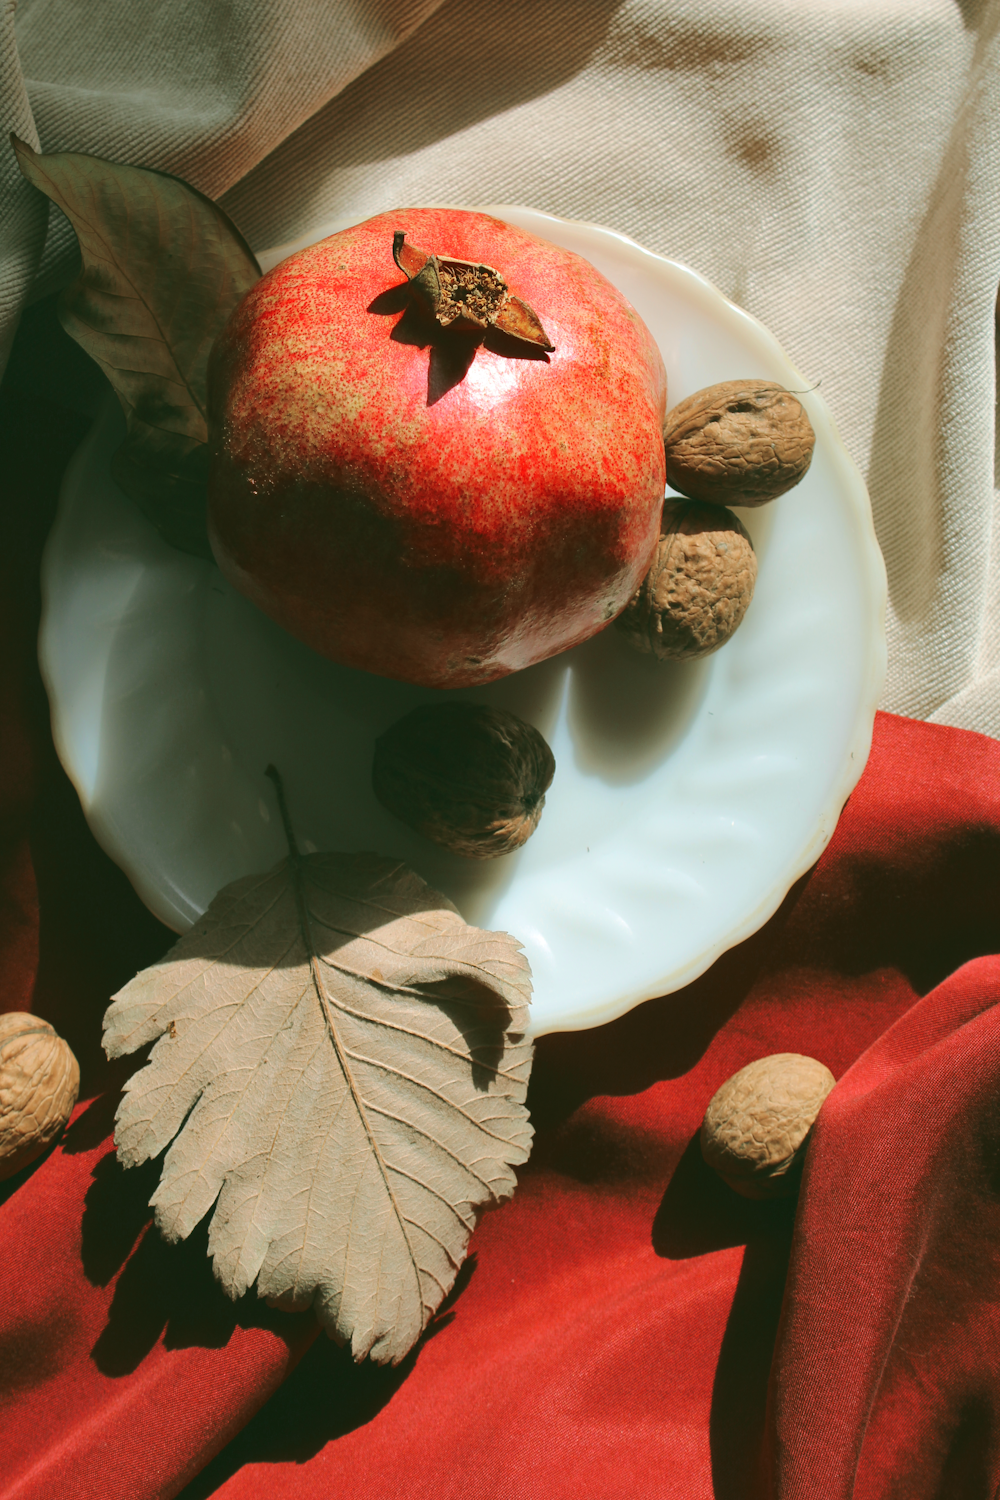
24, 213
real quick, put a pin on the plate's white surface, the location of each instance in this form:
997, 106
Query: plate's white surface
687, 798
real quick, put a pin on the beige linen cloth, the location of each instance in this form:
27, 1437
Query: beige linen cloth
832, 165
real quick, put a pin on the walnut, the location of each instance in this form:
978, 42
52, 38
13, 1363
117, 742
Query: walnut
39, 1082
743, 442
472, 779
756, 1128
698, 586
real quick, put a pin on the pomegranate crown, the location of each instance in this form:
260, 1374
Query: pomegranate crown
466, 297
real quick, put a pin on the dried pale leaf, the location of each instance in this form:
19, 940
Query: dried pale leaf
162, 269
340, 1066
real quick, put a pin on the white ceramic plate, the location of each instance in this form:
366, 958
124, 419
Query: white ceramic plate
687, 798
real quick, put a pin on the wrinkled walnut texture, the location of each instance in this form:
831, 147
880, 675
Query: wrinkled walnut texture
742, 442
756, 1127
473, 779
39, 1082
698, 586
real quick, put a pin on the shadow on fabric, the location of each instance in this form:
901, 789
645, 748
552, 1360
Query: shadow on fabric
162, 1290
661, 1039
326, 1397
466, 63
699, 1214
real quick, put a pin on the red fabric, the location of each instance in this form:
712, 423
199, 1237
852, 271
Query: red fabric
627, 1326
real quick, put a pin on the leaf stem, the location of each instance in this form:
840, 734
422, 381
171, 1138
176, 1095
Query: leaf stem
273, 774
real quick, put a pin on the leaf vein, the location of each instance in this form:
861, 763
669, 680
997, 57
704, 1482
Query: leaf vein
385, 1067
411, 1125
401, 1172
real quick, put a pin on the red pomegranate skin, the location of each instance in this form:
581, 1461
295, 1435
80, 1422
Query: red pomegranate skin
424, 524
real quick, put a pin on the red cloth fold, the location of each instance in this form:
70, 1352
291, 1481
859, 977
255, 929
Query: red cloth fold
626, 1325
899, 1232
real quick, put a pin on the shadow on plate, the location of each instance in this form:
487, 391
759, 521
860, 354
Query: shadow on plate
627, 712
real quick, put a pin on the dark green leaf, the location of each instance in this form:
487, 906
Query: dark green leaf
163, 267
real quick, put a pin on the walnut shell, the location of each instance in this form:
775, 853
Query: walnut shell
698, 586
473, 779
755, 1129
742, 442
39, 1082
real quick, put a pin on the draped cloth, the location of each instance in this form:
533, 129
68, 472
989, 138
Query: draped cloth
626, 1326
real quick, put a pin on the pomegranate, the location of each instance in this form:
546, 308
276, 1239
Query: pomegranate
436, 447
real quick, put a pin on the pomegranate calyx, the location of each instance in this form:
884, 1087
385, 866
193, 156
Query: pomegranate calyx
466, 297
